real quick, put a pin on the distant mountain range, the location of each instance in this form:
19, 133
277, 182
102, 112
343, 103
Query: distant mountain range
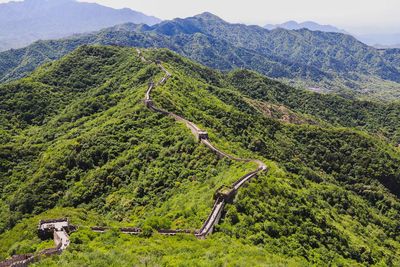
312, 26
375, 40
21, 23
325, 61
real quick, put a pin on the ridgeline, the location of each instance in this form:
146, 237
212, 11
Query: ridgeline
96, 154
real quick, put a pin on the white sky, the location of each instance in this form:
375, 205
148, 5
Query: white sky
358, 16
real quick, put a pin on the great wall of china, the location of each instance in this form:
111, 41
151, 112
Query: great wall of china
202, 136
57, 229
60, 228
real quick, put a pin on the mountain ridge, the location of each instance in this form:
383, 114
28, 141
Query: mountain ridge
332, 62
331, 192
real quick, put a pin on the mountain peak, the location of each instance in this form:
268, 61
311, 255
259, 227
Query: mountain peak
208, 16
291, 23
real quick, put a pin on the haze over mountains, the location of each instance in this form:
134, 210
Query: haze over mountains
311, 25
377, 40
21, 23
326, 61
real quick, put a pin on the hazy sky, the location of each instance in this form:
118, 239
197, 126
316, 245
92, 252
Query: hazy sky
358, 16
354, 15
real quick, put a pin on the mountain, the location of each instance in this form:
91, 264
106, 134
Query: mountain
392, 55
22, 23
78, 141
312, 26
378, 40
330, 62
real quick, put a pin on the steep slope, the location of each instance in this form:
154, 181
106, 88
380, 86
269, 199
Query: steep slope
81, 146
392, 55
380, 119
331, 195
22, 23
310, 153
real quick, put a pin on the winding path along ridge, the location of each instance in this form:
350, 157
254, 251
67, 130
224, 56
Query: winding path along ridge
219, 204
61, 237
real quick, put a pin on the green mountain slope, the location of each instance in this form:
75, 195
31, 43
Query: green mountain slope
100, 133
99, 156
324, 61
392, 55
380, 119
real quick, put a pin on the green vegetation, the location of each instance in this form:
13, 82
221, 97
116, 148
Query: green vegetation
172, 251
331, 195
24, 239
113, 248
329, 62
392, 55
100, 148
378, 118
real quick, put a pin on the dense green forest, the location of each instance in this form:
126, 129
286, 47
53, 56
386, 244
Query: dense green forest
94, 153
328, 62
378, 118
101, 148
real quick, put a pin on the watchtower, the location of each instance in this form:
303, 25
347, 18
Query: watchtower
46, 228
226, 193
202, 135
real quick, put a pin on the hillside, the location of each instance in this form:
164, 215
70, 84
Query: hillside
24, 22
331, 62
392, 55
96, 154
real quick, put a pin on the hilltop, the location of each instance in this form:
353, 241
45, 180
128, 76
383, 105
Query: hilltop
96, 154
